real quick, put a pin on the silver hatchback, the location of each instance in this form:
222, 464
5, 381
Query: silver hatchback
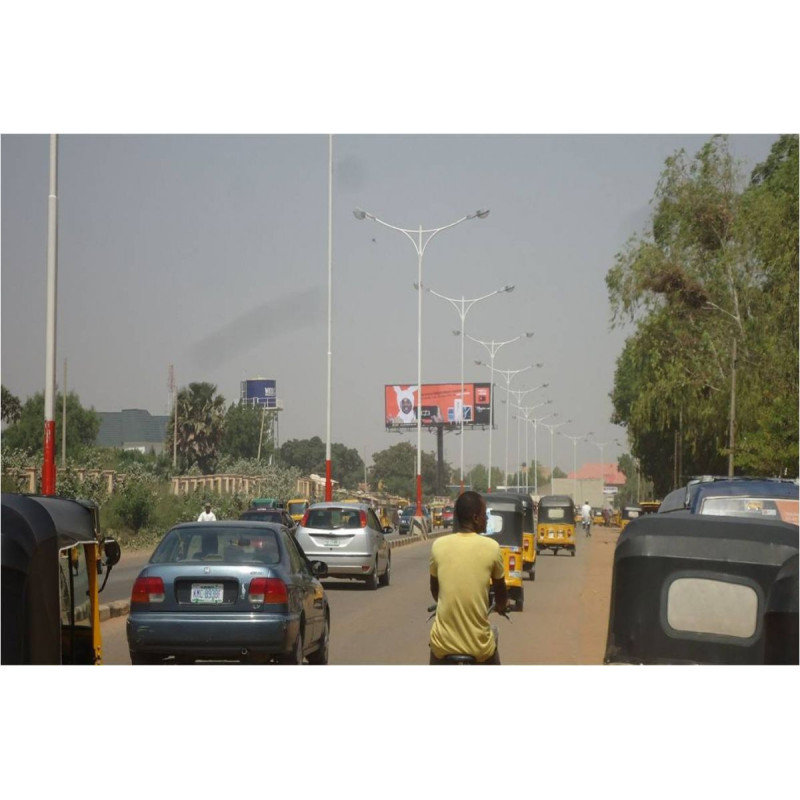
349, 537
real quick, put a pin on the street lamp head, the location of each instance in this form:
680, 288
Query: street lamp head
509, 288
528, 336
481, 213
456, 333
359, 213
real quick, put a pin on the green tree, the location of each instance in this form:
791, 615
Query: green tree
243, 431
201, 421
718, 266
396, 468
11, 407
28, 432
347, 466
306, 455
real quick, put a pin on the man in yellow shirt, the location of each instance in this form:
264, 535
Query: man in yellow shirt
461, 567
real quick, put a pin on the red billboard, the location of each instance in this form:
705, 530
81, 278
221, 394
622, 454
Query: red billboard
440, 403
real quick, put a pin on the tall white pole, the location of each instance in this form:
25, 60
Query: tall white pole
418, 511
49, 463
328, 469
64, 420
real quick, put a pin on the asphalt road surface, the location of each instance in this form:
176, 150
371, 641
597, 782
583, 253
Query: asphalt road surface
564, 620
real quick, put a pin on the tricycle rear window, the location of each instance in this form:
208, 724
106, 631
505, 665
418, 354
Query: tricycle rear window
552, 514
706, 606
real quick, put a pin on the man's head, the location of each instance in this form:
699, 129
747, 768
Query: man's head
208, 507
470, 512
406, 405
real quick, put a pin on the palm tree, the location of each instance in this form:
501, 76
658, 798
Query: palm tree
201, 418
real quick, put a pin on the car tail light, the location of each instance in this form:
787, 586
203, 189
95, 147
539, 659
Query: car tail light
267, 590
304, 521
148, 590
363, 515
512, 563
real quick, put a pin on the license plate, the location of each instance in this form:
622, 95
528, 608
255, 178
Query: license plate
207, 593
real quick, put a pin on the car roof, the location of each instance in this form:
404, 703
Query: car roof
335, 504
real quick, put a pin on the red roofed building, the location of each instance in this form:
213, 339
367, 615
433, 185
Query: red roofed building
594, 471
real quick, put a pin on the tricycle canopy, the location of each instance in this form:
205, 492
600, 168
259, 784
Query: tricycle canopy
694, 589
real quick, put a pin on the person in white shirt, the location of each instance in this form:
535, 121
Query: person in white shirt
207, 515
586, 517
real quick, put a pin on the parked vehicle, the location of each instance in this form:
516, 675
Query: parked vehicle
555, 528
408, 520
236, 590
505, 524
266, 502
694, 589
296, 507
53, 557
448, 516
350, 539
277, 515
529, 538
748, 497
629, 513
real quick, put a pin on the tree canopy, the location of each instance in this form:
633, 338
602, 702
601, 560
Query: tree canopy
27, 433
719, 265
201, 421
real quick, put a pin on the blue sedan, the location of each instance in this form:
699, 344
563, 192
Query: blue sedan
229, 591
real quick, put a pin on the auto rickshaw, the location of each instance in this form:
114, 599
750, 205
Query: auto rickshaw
629, 513
649, 506
694, 589
555, 529
436, 513
529, 538
506, 515
52, 558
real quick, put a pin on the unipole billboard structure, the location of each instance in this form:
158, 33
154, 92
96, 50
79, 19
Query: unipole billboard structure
438, 404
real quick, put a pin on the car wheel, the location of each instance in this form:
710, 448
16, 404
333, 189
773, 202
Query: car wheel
145, 658
372, 578
295, 655
384, 579
320, 656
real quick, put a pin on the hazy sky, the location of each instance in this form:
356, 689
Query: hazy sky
210, 253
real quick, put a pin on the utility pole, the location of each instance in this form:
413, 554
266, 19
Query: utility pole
49, 462
732, 430
64, 421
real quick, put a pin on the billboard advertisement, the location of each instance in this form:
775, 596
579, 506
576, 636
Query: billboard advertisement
440, 403
259, 392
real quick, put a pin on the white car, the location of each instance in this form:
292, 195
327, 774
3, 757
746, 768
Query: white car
350, 539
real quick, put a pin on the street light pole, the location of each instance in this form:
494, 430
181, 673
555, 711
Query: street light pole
49, 463
420, 239
552, 429
462, 308
328, 466
518, 394
600, 445
492, 347
574, 462
508, 375
535, 445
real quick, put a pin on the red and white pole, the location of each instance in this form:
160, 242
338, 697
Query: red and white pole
49, 464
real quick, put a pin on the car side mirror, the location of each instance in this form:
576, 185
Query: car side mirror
113, 552
320, 569
388, 529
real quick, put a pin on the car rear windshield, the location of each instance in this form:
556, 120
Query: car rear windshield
222, 545
409, 512
333, 518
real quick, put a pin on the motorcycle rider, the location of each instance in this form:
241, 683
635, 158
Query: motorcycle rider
586, 517
462, 565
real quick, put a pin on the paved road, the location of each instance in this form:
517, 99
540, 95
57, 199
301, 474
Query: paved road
564, 621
